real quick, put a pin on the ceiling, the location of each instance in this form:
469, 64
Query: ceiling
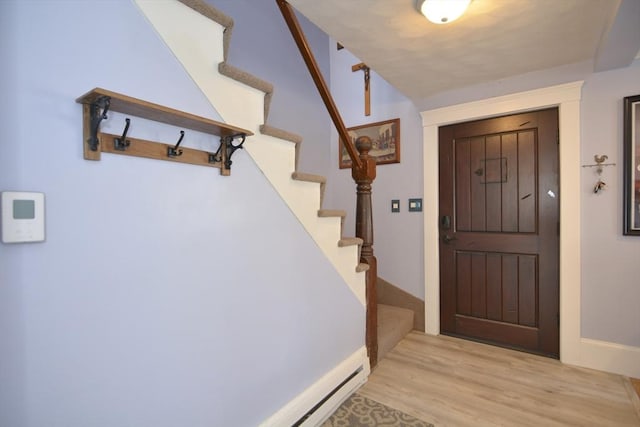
493, 40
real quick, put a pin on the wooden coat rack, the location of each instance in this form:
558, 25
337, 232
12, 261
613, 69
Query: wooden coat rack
98, 102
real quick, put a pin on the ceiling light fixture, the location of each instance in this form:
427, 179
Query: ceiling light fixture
442, 11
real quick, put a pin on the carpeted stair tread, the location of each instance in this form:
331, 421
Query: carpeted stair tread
243, 77
327, 213
349, 241
250, 80
394, 323
215, 15
204, 9
301, 176
280, 133
285, 135
362, 267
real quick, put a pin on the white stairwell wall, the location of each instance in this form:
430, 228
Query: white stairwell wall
198, 44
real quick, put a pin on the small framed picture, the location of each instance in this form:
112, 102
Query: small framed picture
385, 137
631, 136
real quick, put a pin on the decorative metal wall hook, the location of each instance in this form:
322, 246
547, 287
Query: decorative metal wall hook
97, 112
226, 142
122, 143
174, 151
599, 163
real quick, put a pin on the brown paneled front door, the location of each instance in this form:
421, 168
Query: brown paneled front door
499, 231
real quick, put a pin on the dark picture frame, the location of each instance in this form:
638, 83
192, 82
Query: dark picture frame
631, 138
385, 137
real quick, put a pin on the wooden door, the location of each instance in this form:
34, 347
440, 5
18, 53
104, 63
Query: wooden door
499, 231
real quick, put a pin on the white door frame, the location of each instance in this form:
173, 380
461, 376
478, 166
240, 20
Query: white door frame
567, 98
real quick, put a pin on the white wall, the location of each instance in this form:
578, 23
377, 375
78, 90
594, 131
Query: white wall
610, 261
398, 236
161, 295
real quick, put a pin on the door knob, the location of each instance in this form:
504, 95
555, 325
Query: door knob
447, 238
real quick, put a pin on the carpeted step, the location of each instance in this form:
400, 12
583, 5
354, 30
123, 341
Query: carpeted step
349, 241
286, 135
334, 213
307, 177
362, 267
394, 323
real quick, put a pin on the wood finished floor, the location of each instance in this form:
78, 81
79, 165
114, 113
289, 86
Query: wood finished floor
452, 382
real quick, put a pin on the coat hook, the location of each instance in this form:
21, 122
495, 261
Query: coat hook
122, 143
174, 151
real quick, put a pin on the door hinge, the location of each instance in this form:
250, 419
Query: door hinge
558, 319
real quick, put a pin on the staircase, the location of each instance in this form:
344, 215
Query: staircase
201, 44
244, 99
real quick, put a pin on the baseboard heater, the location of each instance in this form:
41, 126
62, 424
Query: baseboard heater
327, 397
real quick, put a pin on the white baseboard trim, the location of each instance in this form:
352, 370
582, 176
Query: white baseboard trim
609, 357
300, 405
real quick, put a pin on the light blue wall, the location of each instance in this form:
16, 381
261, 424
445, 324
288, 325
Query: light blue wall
609, 286
610, 267
609, 264
263, 46
165, 294
398, 239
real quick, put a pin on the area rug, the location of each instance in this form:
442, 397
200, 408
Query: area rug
358, 411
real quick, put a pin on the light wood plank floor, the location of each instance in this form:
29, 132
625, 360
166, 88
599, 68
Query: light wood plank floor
452, 382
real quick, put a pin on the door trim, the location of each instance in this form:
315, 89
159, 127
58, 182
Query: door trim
567, 98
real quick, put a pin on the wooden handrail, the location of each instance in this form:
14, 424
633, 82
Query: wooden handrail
363, 171
309, 60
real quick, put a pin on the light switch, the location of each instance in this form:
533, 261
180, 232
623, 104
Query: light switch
415, 205
395, 206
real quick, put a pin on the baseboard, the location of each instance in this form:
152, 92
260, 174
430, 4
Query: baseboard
300, 405
609, 357
390, 294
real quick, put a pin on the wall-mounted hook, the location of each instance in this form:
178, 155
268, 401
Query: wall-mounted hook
599, 163
174, 151
121, 143
97, 116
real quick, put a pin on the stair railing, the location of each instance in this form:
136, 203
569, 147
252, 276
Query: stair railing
363, 171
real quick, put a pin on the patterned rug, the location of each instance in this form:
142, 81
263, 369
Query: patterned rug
358, 411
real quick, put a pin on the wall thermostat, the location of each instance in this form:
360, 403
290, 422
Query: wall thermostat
22, 217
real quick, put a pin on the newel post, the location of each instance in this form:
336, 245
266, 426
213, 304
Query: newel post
364, 176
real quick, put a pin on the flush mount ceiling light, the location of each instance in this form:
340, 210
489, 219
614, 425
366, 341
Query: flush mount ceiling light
442, 11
